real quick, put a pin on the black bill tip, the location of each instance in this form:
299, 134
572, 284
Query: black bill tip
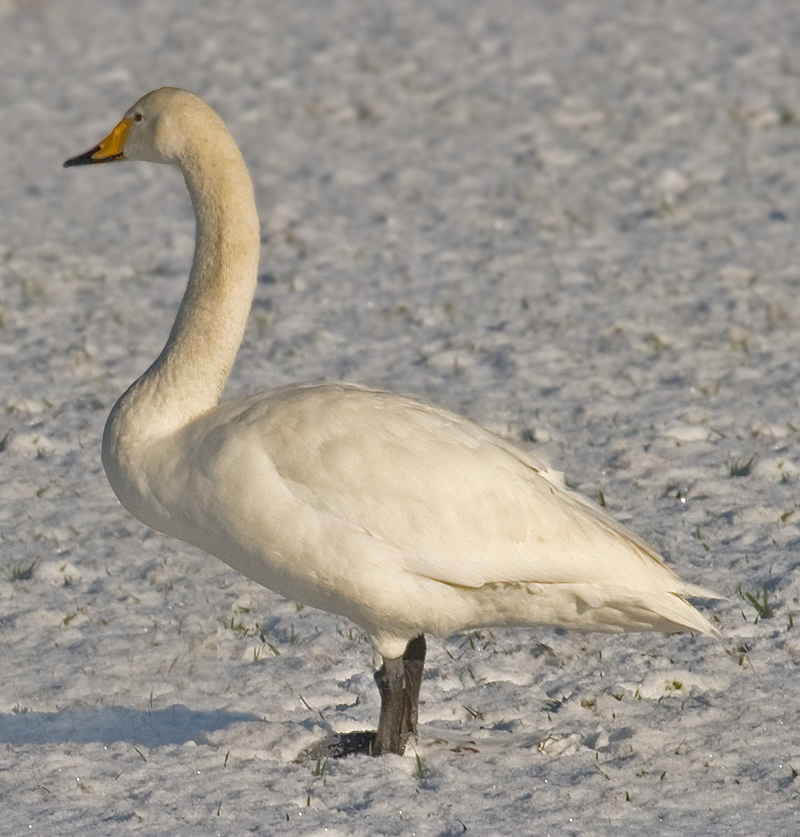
88, 158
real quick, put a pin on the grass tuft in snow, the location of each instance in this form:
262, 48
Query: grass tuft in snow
760, 602
742, 469
419, 770
19, 572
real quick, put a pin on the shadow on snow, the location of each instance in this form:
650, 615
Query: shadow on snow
110, 724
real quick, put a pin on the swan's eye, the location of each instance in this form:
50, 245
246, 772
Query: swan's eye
137, 117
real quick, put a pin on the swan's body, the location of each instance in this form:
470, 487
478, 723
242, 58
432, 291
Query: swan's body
403, 517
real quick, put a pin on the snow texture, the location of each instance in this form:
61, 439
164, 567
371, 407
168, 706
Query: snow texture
574, 222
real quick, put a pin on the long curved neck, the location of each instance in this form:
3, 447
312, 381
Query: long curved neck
187, 378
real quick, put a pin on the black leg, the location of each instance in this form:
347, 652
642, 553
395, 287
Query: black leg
414, 660
399, 682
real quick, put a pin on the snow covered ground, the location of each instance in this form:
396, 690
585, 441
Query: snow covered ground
576, 223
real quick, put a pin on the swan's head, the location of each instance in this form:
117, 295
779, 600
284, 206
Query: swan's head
156, 129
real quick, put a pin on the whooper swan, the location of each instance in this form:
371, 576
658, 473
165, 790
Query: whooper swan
403, 517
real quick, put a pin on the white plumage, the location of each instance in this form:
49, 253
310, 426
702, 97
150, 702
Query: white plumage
406, 518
